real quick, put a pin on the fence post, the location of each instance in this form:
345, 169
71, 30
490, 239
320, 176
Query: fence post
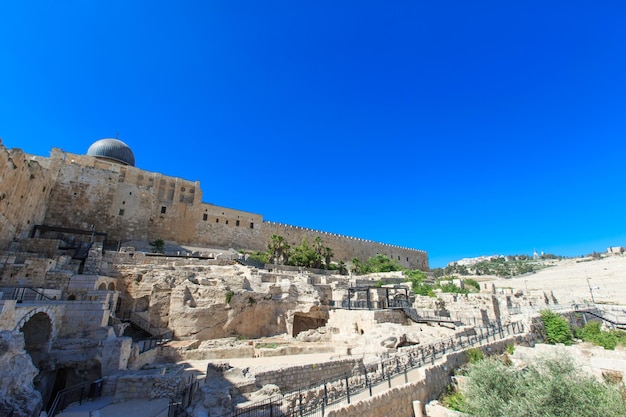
406, 376
325, 394
272, 408
300, 402
367, 381
347, 390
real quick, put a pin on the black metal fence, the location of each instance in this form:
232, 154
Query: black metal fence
22, 294
159, 335
315, 400
177, 406
76, 394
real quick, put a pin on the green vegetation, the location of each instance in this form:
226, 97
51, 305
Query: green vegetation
550, 387
158, 245
557, 329
229, 296
470, 282
454, 400
262, 257
475, 355
593, 333
266, 345
378, 263
314, 255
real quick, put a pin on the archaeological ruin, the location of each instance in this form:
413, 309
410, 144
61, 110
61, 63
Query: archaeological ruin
89, 311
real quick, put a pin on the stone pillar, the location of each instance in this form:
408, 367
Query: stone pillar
417, 408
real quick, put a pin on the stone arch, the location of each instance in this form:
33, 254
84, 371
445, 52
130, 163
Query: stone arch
38, 327
111, 286
102, 286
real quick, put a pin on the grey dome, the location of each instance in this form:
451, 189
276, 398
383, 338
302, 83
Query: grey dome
113, 149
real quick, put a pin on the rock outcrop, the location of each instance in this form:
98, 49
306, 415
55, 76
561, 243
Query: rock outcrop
17, 392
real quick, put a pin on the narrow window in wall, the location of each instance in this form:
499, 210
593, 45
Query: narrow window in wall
251, 225
205, 217
163, 208
398, 257
407, 259
121, 212
237, 223
226, 221
217, 220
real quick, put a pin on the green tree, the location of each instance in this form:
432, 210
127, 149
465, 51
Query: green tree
278, 250
557, 329
328, 256
305, 255
158, 246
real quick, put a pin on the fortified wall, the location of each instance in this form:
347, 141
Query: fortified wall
127, 203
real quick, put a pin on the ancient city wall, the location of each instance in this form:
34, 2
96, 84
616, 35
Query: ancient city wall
79, 191
345, 247
24, 190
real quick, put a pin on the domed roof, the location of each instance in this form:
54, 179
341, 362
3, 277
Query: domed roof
113, 149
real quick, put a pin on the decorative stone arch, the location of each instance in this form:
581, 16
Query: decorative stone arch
102, 286
111, 286
39, 328
45, 310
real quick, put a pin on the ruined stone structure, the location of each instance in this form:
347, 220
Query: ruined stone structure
104, 192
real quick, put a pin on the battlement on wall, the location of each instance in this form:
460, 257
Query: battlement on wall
323, 233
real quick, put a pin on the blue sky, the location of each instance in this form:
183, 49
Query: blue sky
460, 128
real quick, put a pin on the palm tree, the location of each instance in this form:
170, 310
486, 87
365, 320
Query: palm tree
328, 254
278, 250
158, 246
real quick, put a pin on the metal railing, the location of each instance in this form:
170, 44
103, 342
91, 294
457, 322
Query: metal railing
23, 294
316, 400
77, 393
159, 335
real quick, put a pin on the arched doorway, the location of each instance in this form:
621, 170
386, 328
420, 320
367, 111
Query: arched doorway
37, 336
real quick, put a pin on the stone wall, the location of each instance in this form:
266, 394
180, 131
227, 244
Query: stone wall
346, 248
300, 377
156, 383
78, 191
24, 191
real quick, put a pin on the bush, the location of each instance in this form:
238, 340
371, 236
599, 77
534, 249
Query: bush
557, 329
550, 387
229, 296
455, 400
475, 355
472, 283
593, 333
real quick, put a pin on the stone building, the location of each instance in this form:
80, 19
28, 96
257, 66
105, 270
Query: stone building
102, 192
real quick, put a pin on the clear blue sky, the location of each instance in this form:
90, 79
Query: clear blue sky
460, 128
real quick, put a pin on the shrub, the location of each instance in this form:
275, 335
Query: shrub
550, 387
229, 296
455, 400
472, 283
475, 355
593, 333
557, 329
